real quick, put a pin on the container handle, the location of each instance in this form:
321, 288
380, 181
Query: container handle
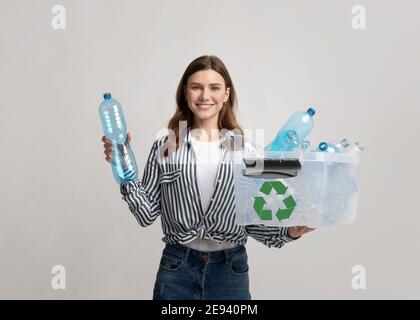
271, 168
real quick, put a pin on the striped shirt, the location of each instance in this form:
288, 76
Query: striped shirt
169, 189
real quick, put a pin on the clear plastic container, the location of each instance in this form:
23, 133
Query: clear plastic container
314, 189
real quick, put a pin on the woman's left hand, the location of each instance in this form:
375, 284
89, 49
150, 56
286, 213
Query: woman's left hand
298, 231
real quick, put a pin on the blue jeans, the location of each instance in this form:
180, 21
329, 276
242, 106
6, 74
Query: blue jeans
188, 274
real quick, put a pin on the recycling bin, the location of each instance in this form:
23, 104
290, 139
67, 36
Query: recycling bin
314, 189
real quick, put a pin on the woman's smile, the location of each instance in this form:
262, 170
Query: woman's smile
204, 106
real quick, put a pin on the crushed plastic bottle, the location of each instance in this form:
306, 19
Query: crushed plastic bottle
333, 148
295, 130
355, 149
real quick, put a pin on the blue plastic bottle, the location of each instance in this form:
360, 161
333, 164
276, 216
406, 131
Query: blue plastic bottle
124, 166
333, 148
296, 129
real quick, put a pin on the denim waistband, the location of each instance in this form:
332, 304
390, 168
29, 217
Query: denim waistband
185, 252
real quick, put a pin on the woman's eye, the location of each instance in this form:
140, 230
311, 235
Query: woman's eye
212, 88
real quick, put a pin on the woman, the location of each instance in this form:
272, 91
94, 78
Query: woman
204, 256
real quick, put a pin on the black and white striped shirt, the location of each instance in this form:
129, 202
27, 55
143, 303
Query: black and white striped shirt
169, 189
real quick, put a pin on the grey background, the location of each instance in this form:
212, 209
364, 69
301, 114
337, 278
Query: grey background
61, 206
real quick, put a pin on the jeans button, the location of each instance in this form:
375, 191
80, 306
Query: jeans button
205, 257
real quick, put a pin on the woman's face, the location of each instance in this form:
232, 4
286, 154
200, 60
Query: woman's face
206, 93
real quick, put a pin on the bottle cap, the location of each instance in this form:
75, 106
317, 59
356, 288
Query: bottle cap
345, 143
323, 146
311, 111
107, 96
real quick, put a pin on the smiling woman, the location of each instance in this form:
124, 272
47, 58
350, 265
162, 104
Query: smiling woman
206, 98
205, 255
206, 94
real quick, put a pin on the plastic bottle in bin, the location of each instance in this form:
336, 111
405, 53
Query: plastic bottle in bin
333, 148
296, 129
124, 166
305, 145
356, 148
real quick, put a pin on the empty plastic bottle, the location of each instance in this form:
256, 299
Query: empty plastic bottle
124, 166
333, 148
355, 149
305, 145
296, 129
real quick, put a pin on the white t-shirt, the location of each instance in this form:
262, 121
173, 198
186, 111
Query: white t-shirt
208, 156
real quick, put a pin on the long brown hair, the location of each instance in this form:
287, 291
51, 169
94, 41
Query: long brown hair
227, 115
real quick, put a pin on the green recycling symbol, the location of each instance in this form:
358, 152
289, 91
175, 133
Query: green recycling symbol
280, 189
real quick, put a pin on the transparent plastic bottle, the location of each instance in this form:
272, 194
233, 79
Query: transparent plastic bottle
305, 145
355, 149
333, 148
296, 129
124, 166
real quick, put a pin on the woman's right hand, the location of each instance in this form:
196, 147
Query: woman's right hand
108, 146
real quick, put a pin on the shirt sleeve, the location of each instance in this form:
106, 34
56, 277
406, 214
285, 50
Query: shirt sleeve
271, 236
143, 198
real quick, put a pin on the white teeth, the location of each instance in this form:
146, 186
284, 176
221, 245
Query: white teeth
204, 106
